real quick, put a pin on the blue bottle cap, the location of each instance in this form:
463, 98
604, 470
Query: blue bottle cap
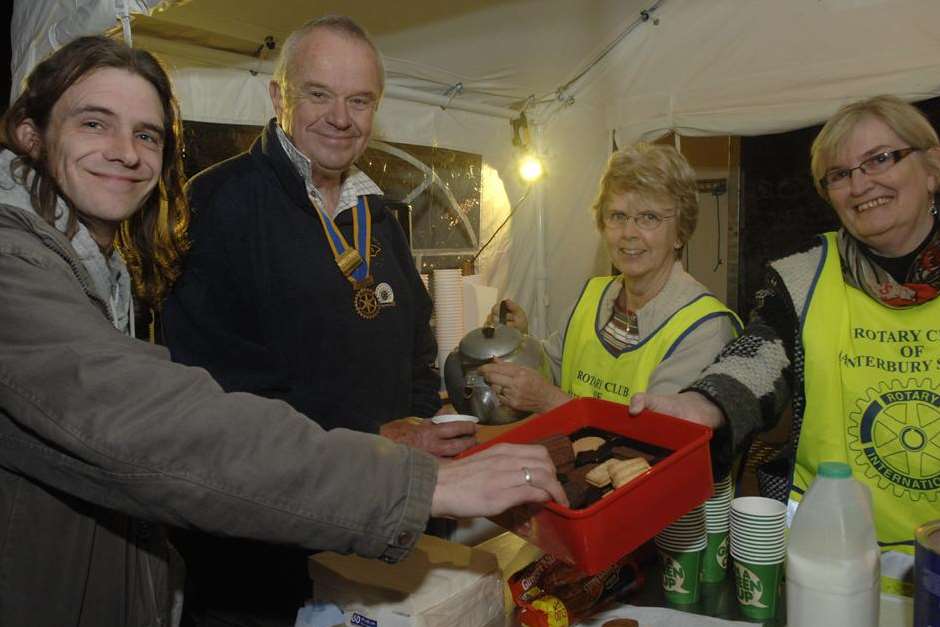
834, 470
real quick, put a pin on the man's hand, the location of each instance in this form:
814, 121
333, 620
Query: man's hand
444, 440
690, 406
522, 388
494, 480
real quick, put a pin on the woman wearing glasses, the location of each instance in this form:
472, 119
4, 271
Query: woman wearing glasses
650, 327
847, 331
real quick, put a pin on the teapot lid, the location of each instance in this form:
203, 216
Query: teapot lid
487, 342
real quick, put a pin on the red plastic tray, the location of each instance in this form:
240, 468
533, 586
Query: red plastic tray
593, 538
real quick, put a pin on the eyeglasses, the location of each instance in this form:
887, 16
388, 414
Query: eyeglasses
883, 161
644, 220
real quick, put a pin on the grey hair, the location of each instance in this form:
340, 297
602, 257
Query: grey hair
339, 24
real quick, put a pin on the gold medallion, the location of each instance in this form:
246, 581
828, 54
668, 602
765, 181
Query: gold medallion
367, 305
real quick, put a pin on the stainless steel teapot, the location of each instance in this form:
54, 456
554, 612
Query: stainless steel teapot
468, 391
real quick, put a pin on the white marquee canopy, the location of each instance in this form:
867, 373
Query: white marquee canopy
458, 70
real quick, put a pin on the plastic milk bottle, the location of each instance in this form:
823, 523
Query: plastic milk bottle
833, 566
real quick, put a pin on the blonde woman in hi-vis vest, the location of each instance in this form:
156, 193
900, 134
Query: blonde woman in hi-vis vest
651, 326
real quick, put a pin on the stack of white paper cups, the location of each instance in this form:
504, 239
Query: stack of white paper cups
717, 510
447, 293
681, 546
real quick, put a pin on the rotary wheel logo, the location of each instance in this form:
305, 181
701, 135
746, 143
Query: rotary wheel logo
367, 305
895, 434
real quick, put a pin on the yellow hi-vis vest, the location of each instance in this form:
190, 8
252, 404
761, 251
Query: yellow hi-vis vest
589, 368
873, 401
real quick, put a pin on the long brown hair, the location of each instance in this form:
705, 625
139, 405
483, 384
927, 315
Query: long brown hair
153, 240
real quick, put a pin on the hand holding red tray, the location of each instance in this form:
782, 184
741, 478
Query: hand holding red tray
690, 406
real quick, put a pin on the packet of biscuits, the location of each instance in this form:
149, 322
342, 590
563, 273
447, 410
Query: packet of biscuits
550, 593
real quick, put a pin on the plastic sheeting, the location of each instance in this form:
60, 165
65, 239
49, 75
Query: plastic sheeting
39, 27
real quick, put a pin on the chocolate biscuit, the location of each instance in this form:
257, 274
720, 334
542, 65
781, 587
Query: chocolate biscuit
560, 450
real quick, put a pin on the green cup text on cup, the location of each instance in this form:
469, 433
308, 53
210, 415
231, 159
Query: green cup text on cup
715, 564
681, 576
758, 588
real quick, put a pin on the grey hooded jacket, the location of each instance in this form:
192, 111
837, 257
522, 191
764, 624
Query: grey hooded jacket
101, 436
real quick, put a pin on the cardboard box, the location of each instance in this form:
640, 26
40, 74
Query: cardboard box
441, 584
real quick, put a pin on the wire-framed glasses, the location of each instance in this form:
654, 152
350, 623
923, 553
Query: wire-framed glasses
644, 220
875, 164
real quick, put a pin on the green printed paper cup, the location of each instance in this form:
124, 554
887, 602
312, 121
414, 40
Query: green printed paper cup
715, 557
681, 576
758, 588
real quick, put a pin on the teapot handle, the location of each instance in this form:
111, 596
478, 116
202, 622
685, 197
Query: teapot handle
503, 311
488, 329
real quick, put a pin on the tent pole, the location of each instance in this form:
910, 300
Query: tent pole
541, 272
446, 102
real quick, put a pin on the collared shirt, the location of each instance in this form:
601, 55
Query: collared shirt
622, 330
356, 183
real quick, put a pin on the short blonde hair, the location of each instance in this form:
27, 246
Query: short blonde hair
905, 120
653, 171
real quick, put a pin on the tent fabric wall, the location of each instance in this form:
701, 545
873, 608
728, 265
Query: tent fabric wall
764, 66
717, 67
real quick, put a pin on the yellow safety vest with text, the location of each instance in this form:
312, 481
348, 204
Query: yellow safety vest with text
873, 401
590, 369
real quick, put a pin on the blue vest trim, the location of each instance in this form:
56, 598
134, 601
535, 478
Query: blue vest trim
571, 315
696, 324
649, 337
815, 282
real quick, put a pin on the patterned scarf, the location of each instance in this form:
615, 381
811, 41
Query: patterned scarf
921, 285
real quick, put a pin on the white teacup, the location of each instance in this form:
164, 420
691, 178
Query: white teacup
439, 420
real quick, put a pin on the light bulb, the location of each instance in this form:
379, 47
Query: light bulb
530, 168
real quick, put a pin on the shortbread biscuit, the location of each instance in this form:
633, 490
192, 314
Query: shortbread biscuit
599, 475
623, 472
587, 443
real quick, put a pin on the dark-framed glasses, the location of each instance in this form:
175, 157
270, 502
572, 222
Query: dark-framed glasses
644, 220
875, 164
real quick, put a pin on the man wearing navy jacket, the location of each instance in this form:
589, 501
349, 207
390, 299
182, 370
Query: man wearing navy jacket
299, 284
